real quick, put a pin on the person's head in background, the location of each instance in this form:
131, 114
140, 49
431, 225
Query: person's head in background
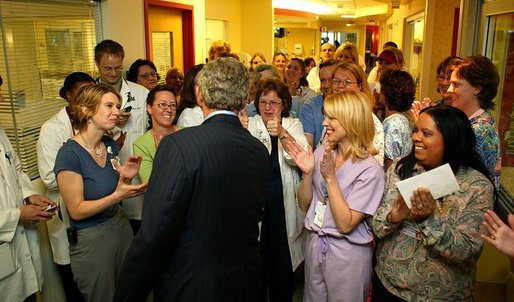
398, 91
474, 85
109, 57
348, 76
295, 72
261, 72
326, 71
188, 97
161, 106
280, 61
390, 59
218, 49
389, 44
309, 64
69, 88
144, 73
257, 58
347, 53
175, 79
444, 74
327, 51
272, 99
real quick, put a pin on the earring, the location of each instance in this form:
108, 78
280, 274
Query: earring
89, 121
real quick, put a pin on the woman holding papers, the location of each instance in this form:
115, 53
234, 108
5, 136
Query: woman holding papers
428, 252
342, 185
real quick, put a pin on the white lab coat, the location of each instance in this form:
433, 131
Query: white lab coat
290, 180
54, 133
20, 261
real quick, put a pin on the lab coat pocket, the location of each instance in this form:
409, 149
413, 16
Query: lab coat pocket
7, 265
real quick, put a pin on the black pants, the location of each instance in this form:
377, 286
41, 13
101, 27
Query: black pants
71, 289
380, 294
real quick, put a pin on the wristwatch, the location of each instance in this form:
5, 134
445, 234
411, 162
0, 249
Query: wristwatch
283, 135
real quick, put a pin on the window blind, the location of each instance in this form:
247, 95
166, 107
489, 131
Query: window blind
41, 43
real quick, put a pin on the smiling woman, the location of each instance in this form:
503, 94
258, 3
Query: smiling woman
161, 106
282, 238
429, 252
92, 183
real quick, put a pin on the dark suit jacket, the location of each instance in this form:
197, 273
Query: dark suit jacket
199, 235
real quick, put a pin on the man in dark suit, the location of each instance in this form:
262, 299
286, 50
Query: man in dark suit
199, 235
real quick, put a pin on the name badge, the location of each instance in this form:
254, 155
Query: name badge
411, 230
319, 213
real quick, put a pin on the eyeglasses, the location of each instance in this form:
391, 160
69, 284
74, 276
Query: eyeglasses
148, 75
338, 82
108, 69
165, 106
272, 104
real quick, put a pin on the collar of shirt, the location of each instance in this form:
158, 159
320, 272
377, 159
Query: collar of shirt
220, 112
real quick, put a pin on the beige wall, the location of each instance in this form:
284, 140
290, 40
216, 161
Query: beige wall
441, 36
397, 20
249, 24
128, 27
123, 22
304, 36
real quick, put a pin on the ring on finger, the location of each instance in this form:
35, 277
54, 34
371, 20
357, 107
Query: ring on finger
419, 206
493, 237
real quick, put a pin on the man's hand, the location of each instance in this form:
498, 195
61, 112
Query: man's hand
124, 117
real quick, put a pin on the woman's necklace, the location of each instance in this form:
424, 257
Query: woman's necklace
99, 154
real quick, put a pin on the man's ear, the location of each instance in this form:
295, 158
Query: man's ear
198, 95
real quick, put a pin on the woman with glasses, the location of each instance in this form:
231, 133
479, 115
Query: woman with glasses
161, 106
144, 73
348, 76
444, 73
281, 231
341, 187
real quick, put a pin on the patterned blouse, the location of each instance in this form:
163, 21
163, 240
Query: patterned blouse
488, 143
440, 265
397, 136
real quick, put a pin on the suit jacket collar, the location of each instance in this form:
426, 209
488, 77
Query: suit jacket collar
223, 118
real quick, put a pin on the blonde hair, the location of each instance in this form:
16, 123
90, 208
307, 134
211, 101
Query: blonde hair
359, 74
218, 49
353, 111
354, 52
89, 96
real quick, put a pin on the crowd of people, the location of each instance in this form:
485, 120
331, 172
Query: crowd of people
228, 182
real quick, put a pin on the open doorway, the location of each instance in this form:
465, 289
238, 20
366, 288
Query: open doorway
169, 35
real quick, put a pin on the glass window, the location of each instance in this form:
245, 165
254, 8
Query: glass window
500, 48
41, 43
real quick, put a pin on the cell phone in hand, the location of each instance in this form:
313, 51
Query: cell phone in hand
127, 109
50, 208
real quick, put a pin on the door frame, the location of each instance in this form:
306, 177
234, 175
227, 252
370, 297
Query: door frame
188, 41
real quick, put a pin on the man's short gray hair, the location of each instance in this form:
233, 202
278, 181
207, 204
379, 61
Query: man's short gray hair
224, 84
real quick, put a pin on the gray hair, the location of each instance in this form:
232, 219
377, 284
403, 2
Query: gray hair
263, 67
224, 84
